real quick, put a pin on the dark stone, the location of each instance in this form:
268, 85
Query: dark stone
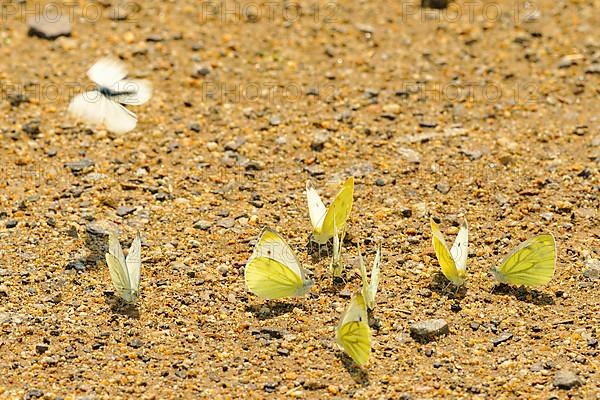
506, 336
50, 26
438, 4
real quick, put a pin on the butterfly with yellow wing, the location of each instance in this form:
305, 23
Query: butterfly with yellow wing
273, 271
369, 290
531, 264
125, 272
323, 218
454, 261
353, 334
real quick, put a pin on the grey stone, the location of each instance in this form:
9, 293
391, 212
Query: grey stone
78, 166
319, 140
124, 211
505, 337
409, 155
226, 223
442, 187
200, 71
565, 379
427, 330
202, 225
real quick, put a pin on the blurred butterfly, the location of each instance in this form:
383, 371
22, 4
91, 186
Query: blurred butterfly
322, 218
369, 290
353, 334
273, 271
105, 104
125, 272
532, 263
453, 261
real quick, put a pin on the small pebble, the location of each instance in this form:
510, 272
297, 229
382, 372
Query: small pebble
41, 348
427, 330
566, 379
442, 187
504, 337
50, 28
136, 343
202, 225
124, 211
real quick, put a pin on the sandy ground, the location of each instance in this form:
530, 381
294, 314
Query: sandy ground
488, 111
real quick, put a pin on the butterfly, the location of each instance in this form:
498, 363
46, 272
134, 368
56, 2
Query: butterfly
336, 261
273, 271
125, 272
532, 263
322, 218
369, 290
453, 261
105, 104
353, 334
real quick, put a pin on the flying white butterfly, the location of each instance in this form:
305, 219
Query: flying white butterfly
105, 104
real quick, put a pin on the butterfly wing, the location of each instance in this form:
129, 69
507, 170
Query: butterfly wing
89, 106
532, 263
353, 334
270, 279
339, 210
374, 280
118, 119
107, 71
364, 278
134, 92
120, 279
273, 271
443, 255
114, 247
134, 263
271, 245
460, 248
316, 208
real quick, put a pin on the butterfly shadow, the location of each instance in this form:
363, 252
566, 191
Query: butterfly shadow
522, 293
358, 374
119, 307
272, 309
97, 246
443, 287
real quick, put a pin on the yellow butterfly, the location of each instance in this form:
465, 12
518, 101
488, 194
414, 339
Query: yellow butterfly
322, 218
125, 272
353, 334
273, 271
453, 261
531, 264
369, 290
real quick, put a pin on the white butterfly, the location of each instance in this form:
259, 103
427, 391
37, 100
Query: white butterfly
104, 105
125, 272
369, 290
